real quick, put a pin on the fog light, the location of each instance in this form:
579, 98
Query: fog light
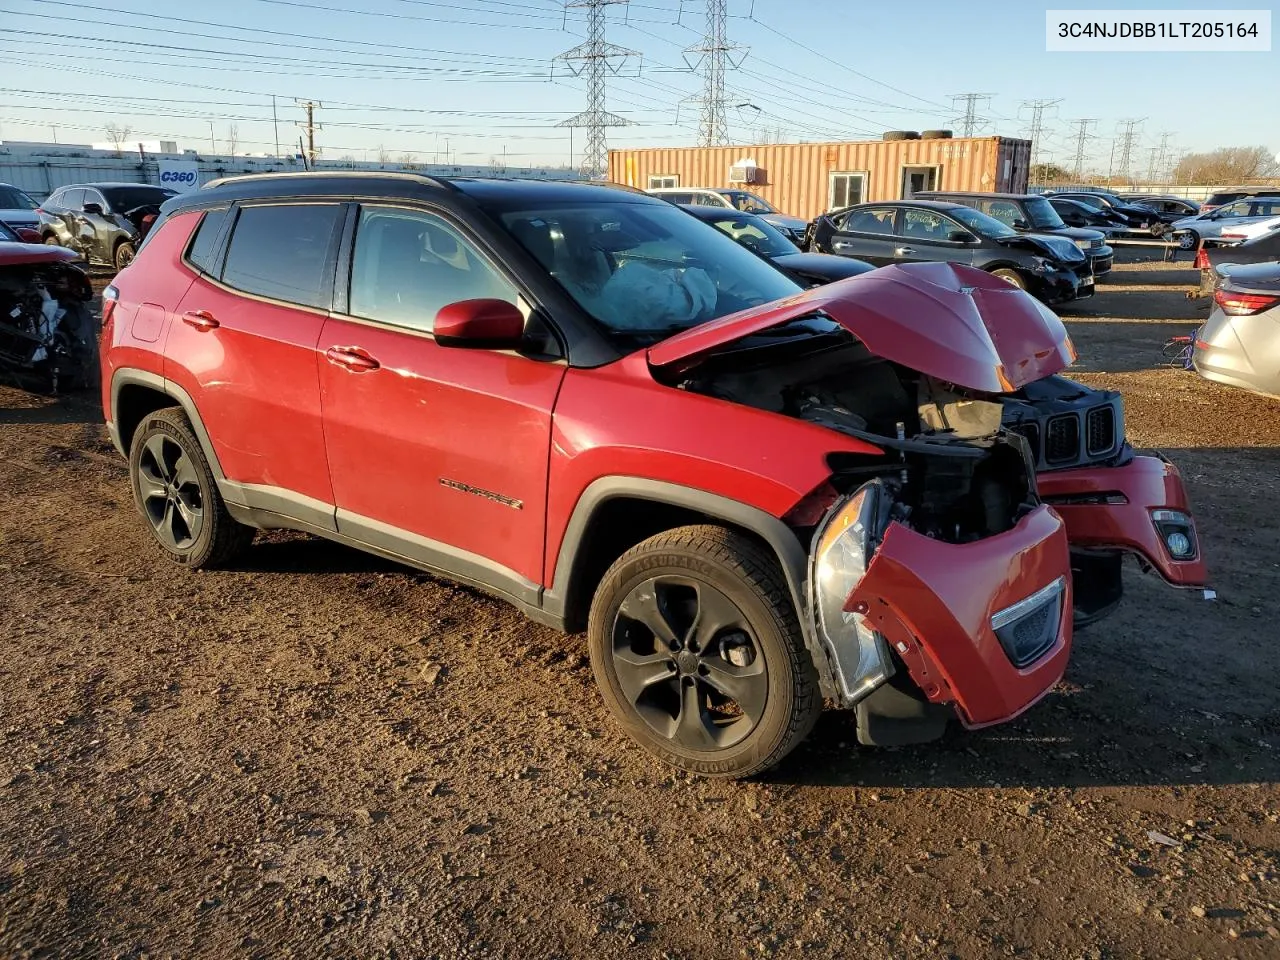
1177, 532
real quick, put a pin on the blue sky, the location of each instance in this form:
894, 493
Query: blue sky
474, 78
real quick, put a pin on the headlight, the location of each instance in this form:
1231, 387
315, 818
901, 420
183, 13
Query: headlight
1084, 244
845, 545
1177, 531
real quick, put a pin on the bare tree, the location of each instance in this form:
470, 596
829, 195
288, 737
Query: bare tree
1226, 165
118, 133
384, 155
233, 138
407, 161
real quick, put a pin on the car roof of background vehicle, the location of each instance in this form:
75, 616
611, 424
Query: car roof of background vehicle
979, 194
942, 205
382, 185
948, 320
17, 254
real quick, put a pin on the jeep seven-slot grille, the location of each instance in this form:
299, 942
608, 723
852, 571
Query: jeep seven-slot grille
1100, 430
1062, 439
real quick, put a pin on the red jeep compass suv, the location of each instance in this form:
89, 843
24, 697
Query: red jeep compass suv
753, 497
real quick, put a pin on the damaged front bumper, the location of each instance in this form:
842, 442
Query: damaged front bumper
1140, 507
982, 628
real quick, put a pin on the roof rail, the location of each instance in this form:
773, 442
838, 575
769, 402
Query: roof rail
364, 174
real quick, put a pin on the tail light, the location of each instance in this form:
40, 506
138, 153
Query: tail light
1244, 304
1202, 259
110, 297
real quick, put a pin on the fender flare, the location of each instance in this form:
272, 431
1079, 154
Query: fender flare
786, 547
131, 376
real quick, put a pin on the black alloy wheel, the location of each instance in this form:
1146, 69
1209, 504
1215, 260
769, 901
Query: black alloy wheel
685, 658
169, 489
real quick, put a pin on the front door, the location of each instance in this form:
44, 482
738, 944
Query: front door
917, 179
437, 453
926, 235
866, 233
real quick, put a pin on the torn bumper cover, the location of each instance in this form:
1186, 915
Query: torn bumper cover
1140, 507
984, 626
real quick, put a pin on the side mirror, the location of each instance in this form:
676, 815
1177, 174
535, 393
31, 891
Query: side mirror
961, 236
94, 208
485, 323
1019, 224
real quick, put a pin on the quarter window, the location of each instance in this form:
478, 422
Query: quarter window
203, 245
408, 264
284, 252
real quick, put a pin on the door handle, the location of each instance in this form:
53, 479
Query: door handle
356, 359
202, 320
904, 251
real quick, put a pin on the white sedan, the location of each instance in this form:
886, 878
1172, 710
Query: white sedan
1254, 228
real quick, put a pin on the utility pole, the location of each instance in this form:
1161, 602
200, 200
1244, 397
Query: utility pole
213, 147
714, 55
310, 127
1038, 108
1127, 141
1082, 137
592, 59
275, 125
970, 121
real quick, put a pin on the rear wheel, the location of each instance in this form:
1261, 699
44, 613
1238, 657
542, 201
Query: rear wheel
1011, 277
698, 653
175, 492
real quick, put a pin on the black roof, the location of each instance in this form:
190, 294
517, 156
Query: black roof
404, 186
922, 204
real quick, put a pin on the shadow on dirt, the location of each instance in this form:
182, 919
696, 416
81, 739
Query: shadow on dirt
35, 408
282, 551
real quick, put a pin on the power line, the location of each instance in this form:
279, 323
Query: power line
594, 57
970, 120
713, 55
1082, 137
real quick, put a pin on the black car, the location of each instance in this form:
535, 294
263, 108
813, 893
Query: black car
1221, 198
1031, 213
765, 240
1167, 208
907, 231
1077, 214
104, 222
1134, 216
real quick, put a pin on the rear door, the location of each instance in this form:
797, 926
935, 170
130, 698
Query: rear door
244, 346
926, 235
437, 453
866, 233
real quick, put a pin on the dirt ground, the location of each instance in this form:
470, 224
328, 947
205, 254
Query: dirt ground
321, 754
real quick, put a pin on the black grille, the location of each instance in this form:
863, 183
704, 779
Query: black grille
1100, 430
1062, 439
1101, 265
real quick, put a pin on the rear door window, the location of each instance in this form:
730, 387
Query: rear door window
285, 252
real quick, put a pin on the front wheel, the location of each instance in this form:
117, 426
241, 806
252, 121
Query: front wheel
697, 650
1189, 240
125, 252
1011, 277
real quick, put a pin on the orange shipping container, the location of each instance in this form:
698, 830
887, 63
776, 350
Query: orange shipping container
806, 179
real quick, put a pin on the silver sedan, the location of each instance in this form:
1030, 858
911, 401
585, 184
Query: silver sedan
1189, 231
1239, 344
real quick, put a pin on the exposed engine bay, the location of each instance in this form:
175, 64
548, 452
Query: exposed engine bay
46, 326
959, 475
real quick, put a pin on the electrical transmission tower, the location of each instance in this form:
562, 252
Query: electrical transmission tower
714, 55
970, 121
1164, 163
1082, 137
310, 127
1126, 142
1038, 107
594, 59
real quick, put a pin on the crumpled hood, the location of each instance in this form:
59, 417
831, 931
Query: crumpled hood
1059, 248
785, 221
947, 320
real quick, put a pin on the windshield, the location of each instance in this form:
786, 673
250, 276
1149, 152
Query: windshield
981, 224
1042, 215
645, 270
124, 199
11, 198
756, 235
747, 202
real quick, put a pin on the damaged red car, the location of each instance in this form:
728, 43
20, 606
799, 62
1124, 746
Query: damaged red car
753, 498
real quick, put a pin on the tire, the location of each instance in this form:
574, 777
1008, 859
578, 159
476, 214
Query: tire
674, 580
1189, 240
894, 135
935, 135
124, 254
1011, 277
168, 472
